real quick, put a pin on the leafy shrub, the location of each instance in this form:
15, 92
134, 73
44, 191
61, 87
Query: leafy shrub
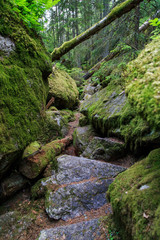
31, 11
156, 32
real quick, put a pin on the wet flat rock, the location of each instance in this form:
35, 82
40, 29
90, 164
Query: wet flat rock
81, 186
75, 169
73, 200
79, 231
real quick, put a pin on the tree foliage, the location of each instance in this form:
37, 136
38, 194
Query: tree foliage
69, 18
156, 32
32, 11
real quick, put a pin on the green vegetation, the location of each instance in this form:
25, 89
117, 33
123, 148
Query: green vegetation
32, 148
63, 88
135, 118
155, 23
32, 11
135, 198
143, 83
23, 76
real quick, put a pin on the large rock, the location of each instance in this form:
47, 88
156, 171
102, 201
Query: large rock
73, 200
10, 185
75, 169
106, 149
12, 224
143, 83
24, 68
79, 231
79, 185
135, 199
104, 107
58, 121
90, 146
63, 88
82, 136
112, 115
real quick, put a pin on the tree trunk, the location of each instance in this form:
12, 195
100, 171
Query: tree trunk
113, 54
146, 24
116, 12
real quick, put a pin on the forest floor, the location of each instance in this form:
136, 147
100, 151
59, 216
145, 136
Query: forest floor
23, 204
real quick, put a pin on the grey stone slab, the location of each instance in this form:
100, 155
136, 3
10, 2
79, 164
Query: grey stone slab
88, 230
75, 169
73, 200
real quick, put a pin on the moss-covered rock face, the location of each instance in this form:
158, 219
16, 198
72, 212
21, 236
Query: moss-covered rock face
63, 88
24, 68
58, 121
135, 198
143, 83
134, 116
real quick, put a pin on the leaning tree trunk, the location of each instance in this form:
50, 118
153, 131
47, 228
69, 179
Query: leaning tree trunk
119, 50
115, 13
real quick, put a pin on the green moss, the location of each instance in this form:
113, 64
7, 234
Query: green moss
66, 46
143, 83
33, 147
23, 84
37, 190
52, 108
83, 120
63, 88
136, 119
135, 210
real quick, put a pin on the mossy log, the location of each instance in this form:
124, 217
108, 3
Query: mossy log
116, 12
32, 166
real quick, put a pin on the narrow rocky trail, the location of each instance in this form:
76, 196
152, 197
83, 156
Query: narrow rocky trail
75, 200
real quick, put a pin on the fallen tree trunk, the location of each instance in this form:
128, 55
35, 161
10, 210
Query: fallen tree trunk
115, 13
111, 55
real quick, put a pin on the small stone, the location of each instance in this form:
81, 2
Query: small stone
144, 187
6, 45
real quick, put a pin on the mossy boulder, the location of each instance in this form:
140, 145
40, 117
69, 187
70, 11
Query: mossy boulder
77, 75
106, 149
24, 68
135, 199
82, 136
143, 83
58, 121
130, 109
83, 120
63, 88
